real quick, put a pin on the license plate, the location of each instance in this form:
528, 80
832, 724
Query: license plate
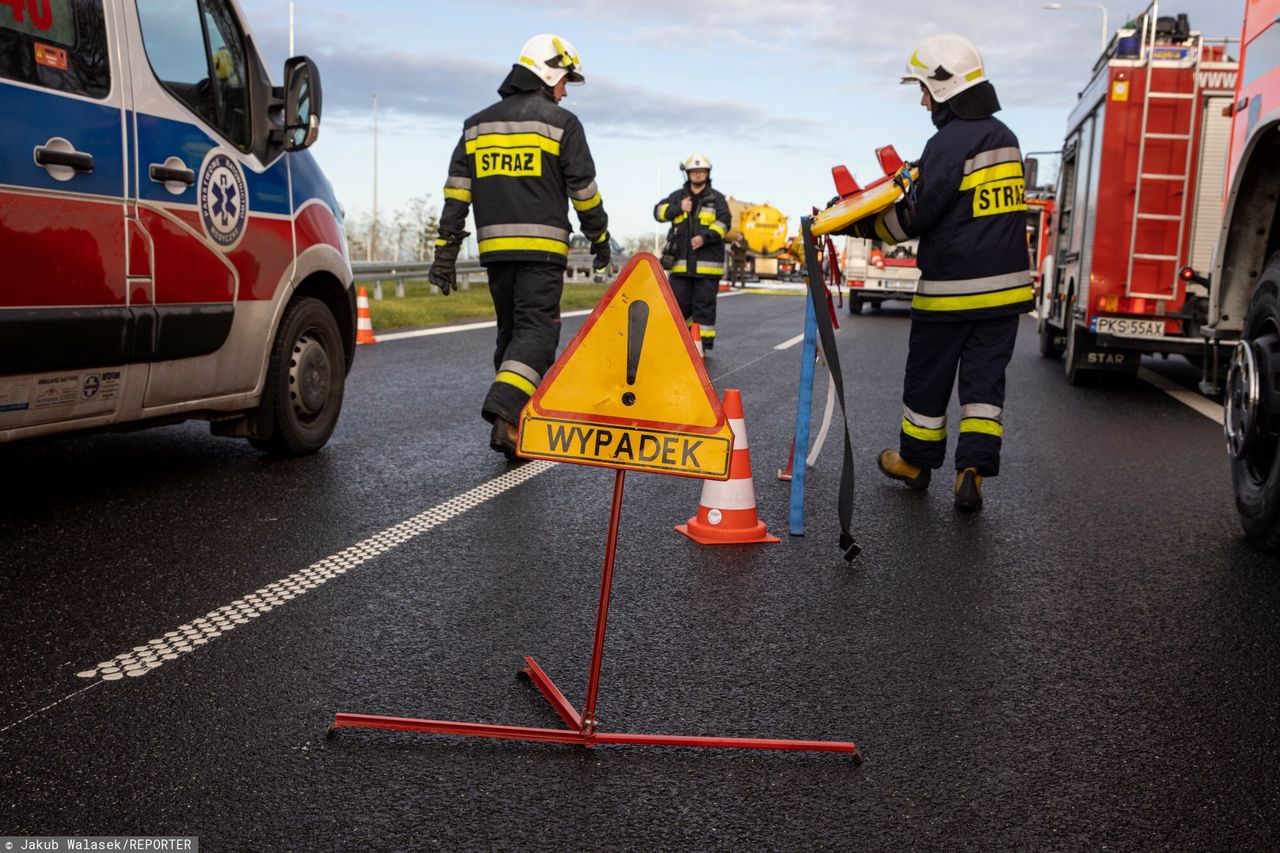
897, 284
1128, 327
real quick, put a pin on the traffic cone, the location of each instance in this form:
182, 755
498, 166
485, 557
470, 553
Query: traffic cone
364, 322
695, 331
727, 510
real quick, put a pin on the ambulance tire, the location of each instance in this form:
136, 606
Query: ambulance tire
306, 378
1255, 475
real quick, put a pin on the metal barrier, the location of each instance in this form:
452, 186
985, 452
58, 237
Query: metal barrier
380, 271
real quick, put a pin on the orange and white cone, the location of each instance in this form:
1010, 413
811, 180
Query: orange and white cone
364, 322
727, 510
695, 331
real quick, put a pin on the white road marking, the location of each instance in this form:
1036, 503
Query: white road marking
47, 707
465, 327
190, 636
1192, 399
790, 342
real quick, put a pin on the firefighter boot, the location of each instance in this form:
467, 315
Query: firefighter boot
503, 438
968, 490
895, 467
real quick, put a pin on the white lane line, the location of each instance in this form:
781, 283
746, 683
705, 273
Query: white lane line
47, 707
1192, 399
189, 637
790, 342
465, 327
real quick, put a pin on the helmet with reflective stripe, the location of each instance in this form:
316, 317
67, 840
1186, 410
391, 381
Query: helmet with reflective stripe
696, 161
551, 58
947, 64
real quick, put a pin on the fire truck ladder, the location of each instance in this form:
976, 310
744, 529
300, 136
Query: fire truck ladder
1145, 177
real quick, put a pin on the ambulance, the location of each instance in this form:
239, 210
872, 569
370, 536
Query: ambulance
169, 249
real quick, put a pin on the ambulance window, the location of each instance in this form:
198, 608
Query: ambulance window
197, 53
57, 44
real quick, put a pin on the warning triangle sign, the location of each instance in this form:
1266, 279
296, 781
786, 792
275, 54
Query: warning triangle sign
630, 391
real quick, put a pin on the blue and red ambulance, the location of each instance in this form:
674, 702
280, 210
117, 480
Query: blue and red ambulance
169, 249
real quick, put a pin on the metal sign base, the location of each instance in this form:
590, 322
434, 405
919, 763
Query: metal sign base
580, 729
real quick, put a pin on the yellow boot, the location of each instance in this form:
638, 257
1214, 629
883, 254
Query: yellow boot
968, 490
895, 467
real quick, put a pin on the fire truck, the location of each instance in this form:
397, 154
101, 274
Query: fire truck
170, 248
1139, 198
1244, 281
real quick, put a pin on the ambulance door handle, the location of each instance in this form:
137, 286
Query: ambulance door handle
161, 173
78, 160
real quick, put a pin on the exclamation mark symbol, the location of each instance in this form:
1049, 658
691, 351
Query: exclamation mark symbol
637, 322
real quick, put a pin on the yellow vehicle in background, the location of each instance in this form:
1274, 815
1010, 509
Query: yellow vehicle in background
764, 228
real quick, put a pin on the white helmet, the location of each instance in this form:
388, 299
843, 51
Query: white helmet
947, 64
551, 58
696, 161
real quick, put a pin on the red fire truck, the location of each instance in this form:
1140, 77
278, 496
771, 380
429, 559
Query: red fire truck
1139, 198
1245, 279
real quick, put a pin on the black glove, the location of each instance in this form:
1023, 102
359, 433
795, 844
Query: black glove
443, 273
864, 228
601, 253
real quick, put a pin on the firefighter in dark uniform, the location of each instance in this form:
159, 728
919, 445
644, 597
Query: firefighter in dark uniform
520, 163
700, 216
969, 211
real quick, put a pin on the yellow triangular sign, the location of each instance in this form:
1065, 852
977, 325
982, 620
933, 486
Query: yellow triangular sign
630, 390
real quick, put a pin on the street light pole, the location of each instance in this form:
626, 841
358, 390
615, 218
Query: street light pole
373, 228
1096, 6
291, 53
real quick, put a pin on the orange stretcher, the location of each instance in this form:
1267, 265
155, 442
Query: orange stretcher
860, 202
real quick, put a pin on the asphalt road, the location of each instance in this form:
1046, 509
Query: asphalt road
1093, 662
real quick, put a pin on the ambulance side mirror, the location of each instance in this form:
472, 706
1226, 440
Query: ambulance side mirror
301, 103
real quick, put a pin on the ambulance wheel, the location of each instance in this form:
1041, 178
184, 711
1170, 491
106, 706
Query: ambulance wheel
1252, 414
305, 380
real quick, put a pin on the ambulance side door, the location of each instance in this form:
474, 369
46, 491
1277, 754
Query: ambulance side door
65, 311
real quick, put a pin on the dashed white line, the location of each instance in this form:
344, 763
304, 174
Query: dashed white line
189, 637
1191, 399
790, 342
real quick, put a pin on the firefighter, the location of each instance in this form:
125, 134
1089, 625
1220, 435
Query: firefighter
738, 261
700, 216
517, 162
968, 210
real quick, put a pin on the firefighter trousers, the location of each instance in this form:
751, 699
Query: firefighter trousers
980, 350
696, 295
526, 299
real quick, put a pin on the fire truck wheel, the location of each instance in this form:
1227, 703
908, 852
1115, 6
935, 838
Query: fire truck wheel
1076, 337
305, 380
1051, 340
1253, 414
855, 304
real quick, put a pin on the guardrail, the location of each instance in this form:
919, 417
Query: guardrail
380, 271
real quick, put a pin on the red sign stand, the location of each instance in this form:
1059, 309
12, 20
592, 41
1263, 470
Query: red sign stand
581, 728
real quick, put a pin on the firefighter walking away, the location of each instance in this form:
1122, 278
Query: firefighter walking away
968, 210
518, 165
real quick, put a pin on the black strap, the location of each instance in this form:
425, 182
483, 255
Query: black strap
827, 339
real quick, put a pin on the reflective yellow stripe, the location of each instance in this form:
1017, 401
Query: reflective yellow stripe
463, 196
974, 74
882, 230
586, 205
991, 173
923, 434
604, 235
515, 140
524, 244
710, 270
662, 211
981, 425
517, 380
706, 217
719, 229
681, 218
440, 241
977, 300
680, 267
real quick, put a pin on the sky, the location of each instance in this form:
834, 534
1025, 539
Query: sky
775, 93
